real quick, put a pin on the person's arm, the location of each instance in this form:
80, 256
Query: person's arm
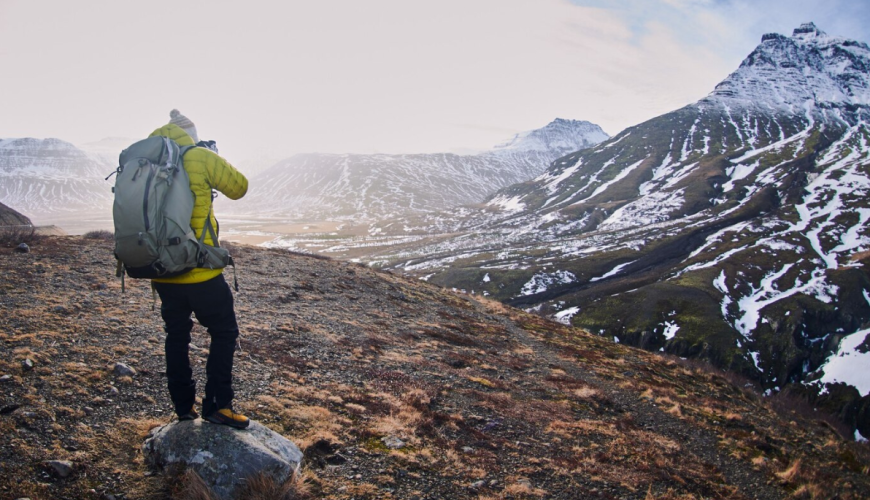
224, 177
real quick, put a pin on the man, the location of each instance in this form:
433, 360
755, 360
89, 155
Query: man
203, 292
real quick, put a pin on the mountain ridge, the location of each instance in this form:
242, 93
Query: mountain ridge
365, 188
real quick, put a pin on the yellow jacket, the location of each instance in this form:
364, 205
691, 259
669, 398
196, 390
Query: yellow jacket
207, 171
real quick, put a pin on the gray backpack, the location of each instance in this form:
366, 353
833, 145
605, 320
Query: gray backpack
152, 209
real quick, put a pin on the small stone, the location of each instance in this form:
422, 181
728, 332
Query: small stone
393, 443
63, 468
9, 409
336, 459
22, 248
114, 320
88, 410
27, 365
467, 449
478, 485
114, 390
5, 378
123, 370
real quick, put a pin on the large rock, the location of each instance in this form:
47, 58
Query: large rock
223, 457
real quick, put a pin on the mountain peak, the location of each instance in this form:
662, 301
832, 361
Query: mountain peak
560, 134
810, 68
807, 30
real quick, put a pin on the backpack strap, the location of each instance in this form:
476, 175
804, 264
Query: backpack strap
208, 225
184, 149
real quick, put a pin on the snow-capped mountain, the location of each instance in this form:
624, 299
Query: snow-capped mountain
734, 229
373, 187
48, 178
560, 135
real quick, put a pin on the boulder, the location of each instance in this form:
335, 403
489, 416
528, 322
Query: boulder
123, 370
62, 468
222, 456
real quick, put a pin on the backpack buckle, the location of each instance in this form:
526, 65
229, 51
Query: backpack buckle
159, 268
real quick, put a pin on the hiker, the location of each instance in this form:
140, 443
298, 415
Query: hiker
201, 291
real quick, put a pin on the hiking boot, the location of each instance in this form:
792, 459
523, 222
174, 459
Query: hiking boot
191, 415
227, 416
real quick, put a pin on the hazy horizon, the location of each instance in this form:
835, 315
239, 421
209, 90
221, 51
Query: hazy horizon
272, 79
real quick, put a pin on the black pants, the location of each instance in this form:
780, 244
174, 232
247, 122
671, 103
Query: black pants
212, 302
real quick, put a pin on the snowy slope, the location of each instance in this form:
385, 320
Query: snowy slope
380, 186
734, 229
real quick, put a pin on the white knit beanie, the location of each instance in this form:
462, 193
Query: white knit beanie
184, 122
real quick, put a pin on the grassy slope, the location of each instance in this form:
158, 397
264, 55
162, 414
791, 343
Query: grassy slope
492, 402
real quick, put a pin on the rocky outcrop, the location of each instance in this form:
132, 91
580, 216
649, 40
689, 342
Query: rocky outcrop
10, 217
223, 457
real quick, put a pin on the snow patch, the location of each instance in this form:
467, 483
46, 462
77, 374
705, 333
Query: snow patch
848, 365
541, 282
671, 329
565, 316
650, 209
508, 204
613, 271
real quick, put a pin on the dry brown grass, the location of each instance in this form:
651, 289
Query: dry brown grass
791, 473
586, 392
189, 486
569, 430
12, 236
523, 488
809, 492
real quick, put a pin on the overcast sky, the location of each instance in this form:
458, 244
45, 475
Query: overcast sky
272, 78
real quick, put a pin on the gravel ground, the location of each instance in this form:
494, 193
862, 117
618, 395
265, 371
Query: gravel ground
394, 389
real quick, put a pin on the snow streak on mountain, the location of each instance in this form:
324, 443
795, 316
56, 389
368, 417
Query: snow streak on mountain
366, 188
732, 229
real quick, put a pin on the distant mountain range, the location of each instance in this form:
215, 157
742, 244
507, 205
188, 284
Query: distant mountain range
733, 229
54, 179
373, 187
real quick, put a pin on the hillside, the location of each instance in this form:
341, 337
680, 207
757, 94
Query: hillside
488, 401
733, 229
11, 218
